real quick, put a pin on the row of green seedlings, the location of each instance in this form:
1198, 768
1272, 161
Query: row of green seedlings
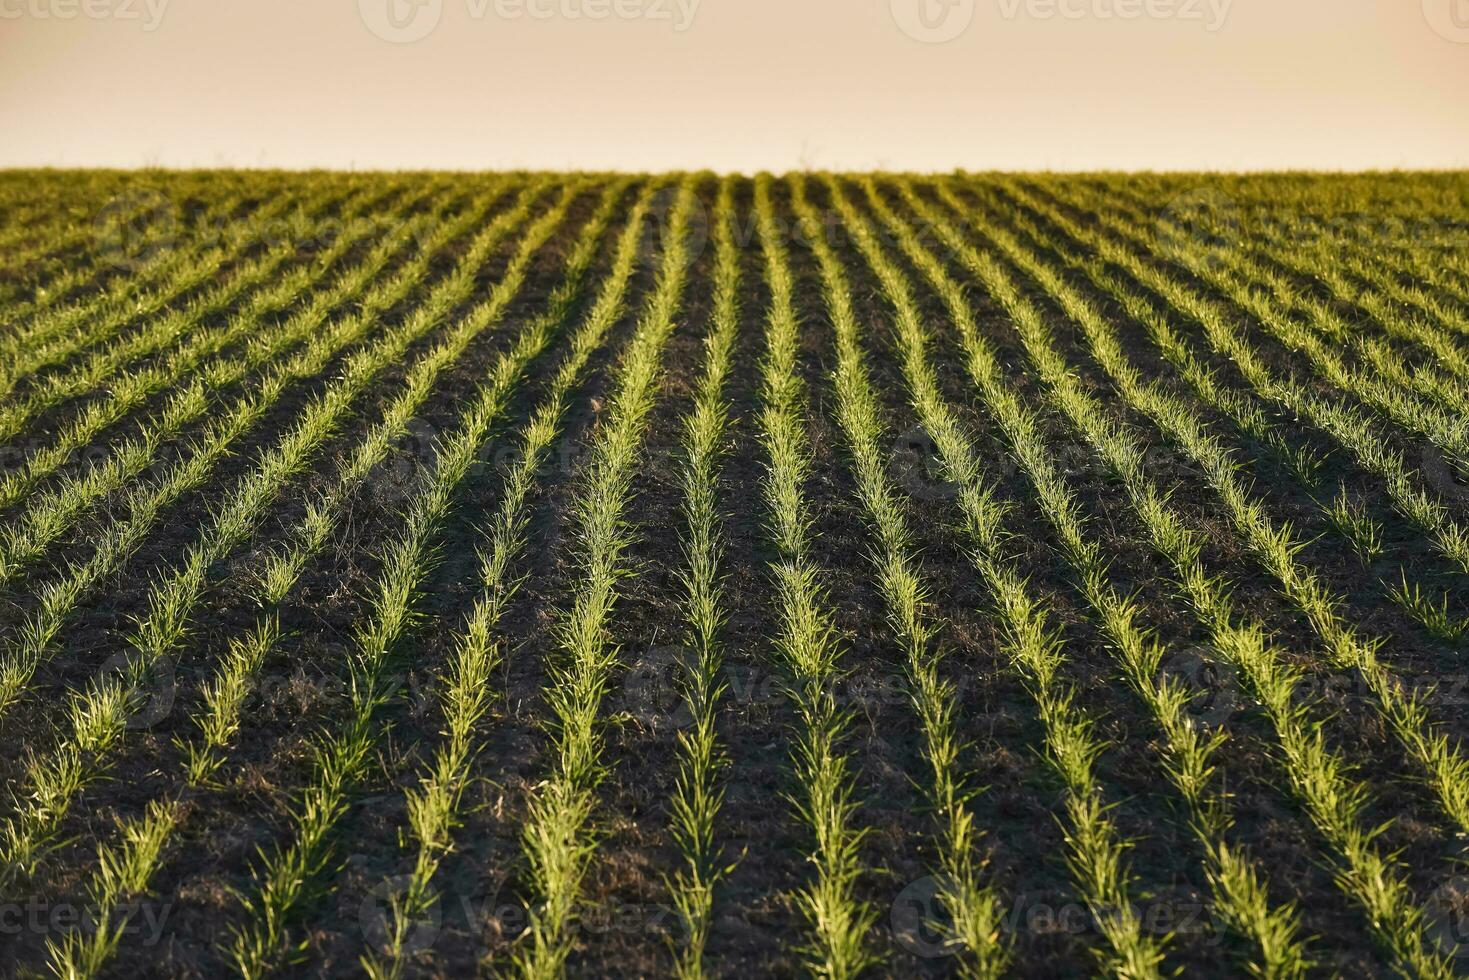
698, 792
557, 838
1239, 891
34, 357
1434, 278
1422, 274
363, 363
1363, 298
1335, 801
1441, 262
1434, 611
147, 503
118, 367
144, 841
98, 716
108, 701
55, 334
1368, 876
102, 248
1428, 285
1424, 378
1241, 276
1301, 460
128, 391
1378, 292
40, 242
1345, 515
1344, 268
435, 806
1349, 516
1321, 331
84, 288
39, 215
806, 643
1356, 277
37, 229
1096, 851
126, 329
1422, 375
1411, 311
51, 513
1336, 415
1444, 752
343, 758
53, 339
61, 259
1275, 548
972, 906
1346, 425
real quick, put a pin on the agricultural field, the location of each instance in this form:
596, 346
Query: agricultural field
613, 575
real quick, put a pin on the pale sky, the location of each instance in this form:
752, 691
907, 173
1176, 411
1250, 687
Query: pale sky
736, 84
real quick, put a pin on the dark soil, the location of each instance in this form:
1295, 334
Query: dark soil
628, 926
